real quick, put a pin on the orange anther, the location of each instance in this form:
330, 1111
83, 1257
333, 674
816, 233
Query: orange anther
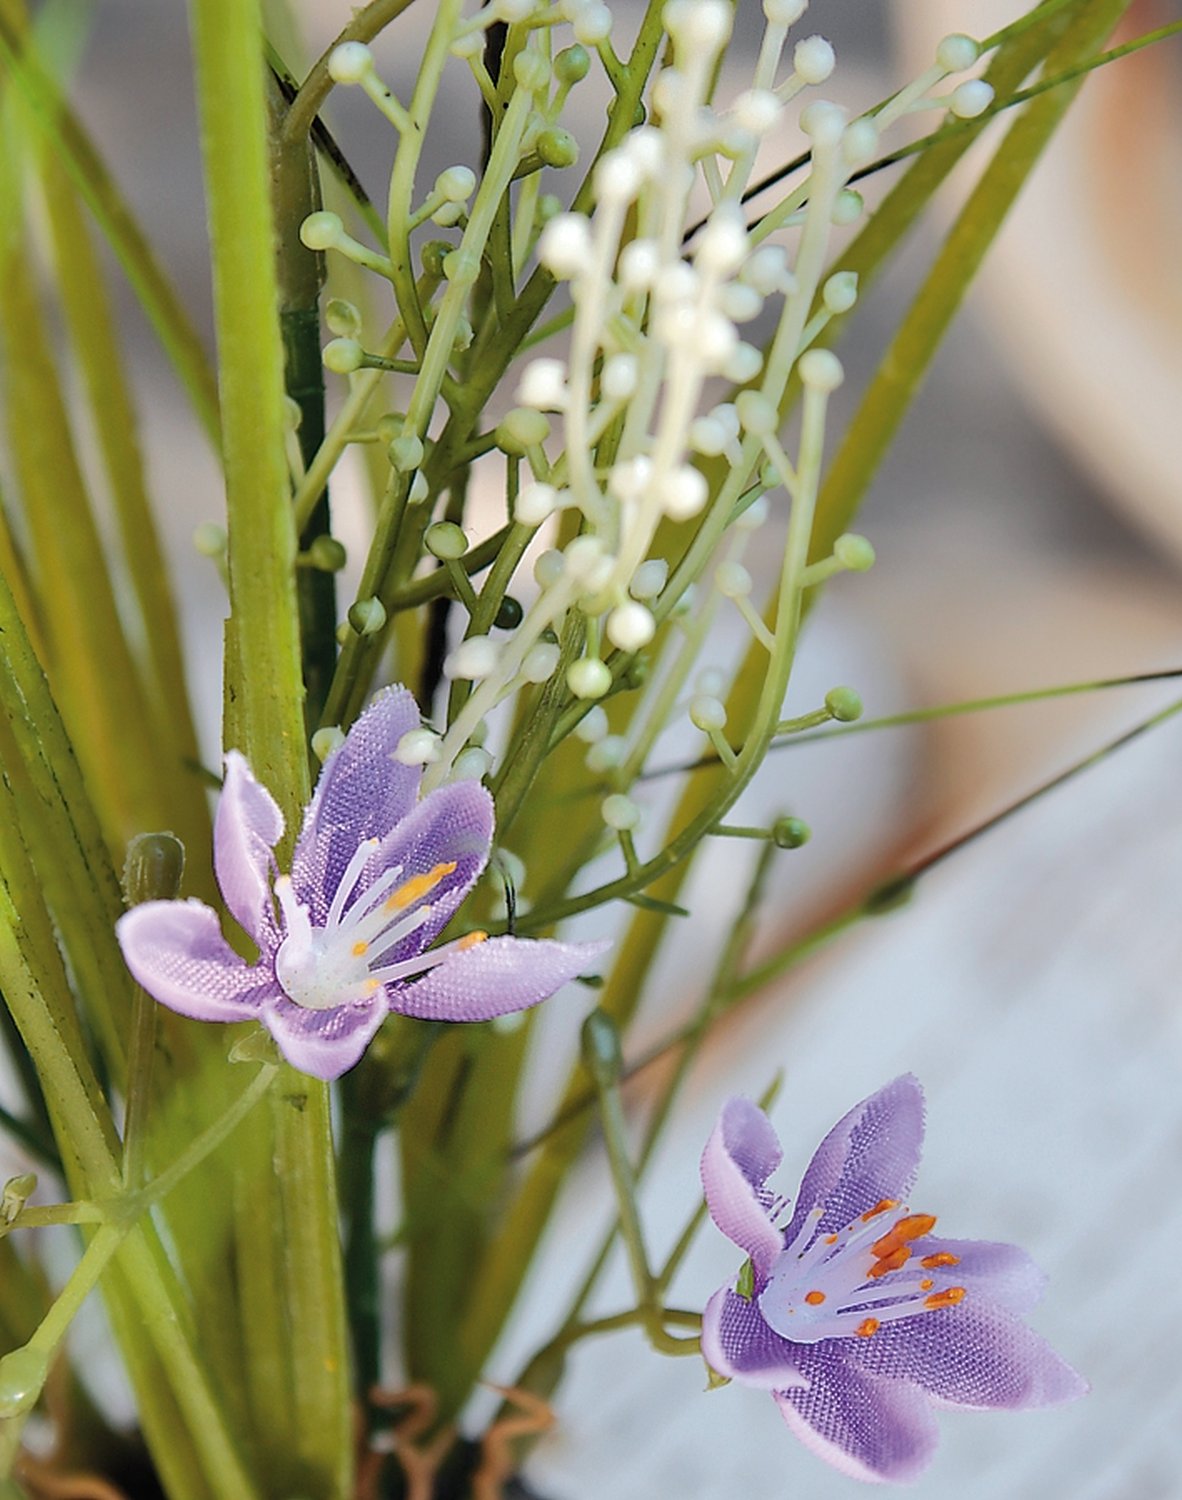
883, 1206
947, 1298
943, 1258
831, 1239
471, 940
926, 1284
892, 1262
866, 1327
360, 950
814, 1299
417, 887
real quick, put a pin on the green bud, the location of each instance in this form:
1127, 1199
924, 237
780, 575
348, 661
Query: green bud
342, 318
405, 453
572, 65
153, 868
844, 704
601, 1047
22, 1374
854, 552
367, 616
557, 147
210, 539
522, 428
461, 267
343, 356
432, 256
446, 541
510, 614
327, 554
17, 1192
790, 833
635, 674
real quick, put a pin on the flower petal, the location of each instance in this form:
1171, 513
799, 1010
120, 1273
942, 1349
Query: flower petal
737, 1342
1001, 1274
324, 1043
865, 1426
362, 793
246, 828
493, 978
741, 1154
972, 1355
870, 1154
175, 949
451, 825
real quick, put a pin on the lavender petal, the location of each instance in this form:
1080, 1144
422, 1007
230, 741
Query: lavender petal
738, 1343
362, 793
175, 949
324, 1043
998, 1273
975, 1354
865, 1426
870, 1154
740, 1156
493, 978
246, 828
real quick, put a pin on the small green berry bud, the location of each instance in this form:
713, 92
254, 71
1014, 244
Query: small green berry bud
557, 147
790, 833
522, 428
210, 539
854, 552
22, 1375
322, 230
343, 318
456, 184
635, 674
844, 704
620, 812
432, 256
446, 541
461, 267
588, 678
405, 453
572, 65
367, 616
153, 868
343, 356
510, 614
531, 71
327, 554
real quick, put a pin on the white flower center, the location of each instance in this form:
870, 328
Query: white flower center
849, 1283
320, 968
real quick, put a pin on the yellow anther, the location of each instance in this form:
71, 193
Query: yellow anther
417, 887
370, 986
472, 940
360, 950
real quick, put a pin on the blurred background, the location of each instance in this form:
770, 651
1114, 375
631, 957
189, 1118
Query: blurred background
1028, 526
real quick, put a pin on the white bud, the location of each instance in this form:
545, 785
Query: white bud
821, 370
540, 662
684, 492
417, 747
456, 184
592, 24
620, 812
468, 44
342, 356
743, 364
757, 110
630, 478
588, 678
840, 292
823, 122
543, 385
697, 25
617, 178
618, 380
710, 682
607, 754
733, 580
678, 283
847, 207
535, 503
418, 491
630, 626
784, 12
714, 339
592, 727
640, 264
766, 270
350, 62
473, 659
472, 764
970, 99
860, 142
757, 414
321, 230
957, 52
548, 569
813, 59
649, 578
447, 215
707, 713
708, 436
740, 303
564, 247
586, 564
513, 10
722, 245
754, 516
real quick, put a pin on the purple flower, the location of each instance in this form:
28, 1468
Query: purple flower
855, 1316
375, 877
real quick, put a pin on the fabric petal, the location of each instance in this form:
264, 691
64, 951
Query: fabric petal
451, 825
972, 1355
175, 949
737, 1342
324, 1043
246, 828
493, 978
362, 793
1002, 1274
870, 1154
867, 1427
741, 1154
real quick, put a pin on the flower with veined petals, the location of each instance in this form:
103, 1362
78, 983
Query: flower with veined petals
854, 1315
375, 877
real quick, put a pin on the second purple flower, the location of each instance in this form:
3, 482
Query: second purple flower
375, 877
